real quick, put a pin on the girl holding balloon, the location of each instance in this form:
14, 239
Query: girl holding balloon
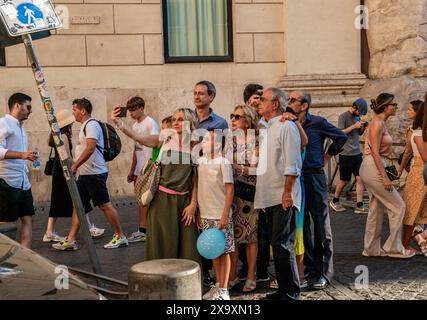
215, 197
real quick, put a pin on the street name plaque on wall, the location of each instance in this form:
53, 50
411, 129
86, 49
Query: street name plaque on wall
23, 16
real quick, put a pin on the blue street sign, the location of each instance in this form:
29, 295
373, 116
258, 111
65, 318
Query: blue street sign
21, 17
28, 13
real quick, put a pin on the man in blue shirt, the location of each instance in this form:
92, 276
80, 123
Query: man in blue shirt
203, 95
318, 253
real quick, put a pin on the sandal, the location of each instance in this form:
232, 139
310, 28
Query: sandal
250, 285
405, 254
274, 284
422, 243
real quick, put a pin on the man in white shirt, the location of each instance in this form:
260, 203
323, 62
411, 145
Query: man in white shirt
148, 126
92, 177
16, 200
278, 190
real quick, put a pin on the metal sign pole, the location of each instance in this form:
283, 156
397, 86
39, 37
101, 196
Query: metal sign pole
65, 162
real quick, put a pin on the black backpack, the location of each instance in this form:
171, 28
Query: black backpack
112, 142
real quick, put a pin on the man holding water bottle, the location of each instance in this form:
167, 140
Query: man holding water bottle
16, 199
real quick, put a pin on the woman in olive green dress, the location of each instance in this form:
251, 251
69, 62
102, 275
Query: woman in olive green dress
171, 227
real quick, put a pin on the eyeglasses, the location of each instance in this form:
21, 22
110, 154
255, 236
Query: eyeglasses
236, 116
293, 100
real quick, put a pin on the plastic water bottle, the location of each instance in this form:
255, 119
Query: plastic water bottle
37, 163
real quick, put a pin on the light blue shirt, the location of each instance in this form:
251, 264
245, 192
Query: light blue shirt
13, 138
279, 156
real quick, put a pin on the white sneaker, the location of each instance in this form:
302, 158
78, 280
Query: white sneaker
137, 236
54, 237
96, 232
337, 206
208, 295
361, 210
65, 245
221, 294
117, 242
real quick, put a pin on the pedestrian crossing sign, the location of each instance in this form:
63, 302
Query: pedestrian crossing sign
28, 16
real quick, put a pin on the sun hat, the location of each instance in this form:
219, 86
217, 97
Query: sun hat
65, 118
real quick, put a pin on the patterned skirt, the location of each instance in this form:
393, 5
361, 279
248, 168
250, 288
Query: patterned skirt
245, 219
415, 195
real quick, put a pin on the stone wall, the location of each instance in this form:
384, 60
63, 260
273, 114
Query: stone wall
397, 37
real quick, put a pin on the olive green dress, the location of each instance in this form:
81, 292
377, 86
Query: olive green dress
167, 236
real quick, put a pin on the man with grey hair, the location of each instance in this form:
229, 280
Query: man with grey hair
318, 253
278, 190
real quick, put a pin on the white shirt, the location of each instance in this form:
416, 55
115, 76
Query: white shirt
213, 174
13, 138
262, 123
148, 126
415, 133
96, 163
280, 155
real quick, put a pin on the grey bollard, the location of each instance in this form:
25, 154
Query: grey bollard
10, 230
165, 279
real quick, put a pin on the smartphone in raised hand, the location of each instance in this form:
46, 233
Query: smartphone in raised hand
123, 112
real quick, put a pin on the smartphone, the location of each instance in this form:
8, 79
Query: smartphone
123, 112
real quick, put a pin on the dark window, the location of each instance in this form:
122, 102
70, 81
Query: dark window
197, 30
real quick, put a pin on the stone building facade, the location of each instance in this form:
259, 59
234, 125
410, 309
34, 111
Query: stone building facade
114, 49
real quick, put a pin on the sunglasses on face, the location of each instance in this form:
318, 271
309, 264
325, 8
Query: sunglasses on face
236, 117
293, 100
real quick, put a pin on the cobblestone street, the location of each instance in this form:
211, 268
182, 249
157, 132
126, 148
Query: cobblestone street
388, 278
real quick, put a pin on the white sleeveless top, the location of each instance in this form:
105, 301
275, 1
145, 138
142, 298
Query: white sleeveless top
415, 133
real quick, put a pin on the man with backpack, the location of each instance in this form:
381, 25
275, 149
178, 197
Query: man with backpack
97, 143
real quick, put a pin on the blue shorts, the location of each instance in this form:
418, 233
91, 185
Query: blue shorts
93, 187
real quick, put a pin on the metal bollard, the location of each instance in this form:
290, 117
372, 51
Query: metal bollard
165, 279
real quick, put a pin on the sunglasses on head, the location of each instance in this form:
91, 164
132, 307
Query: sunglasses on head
236, 116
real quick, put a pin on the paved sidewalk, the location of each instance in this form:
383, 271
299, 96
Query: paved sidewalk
388, 278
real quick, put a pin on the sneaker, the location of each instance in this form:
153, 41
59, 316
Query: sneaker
208, 295
337, 206
65, 245
361, 210
304, 286
54, 237
137, 236
96, 232
221, 294
117, 242
263, 278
